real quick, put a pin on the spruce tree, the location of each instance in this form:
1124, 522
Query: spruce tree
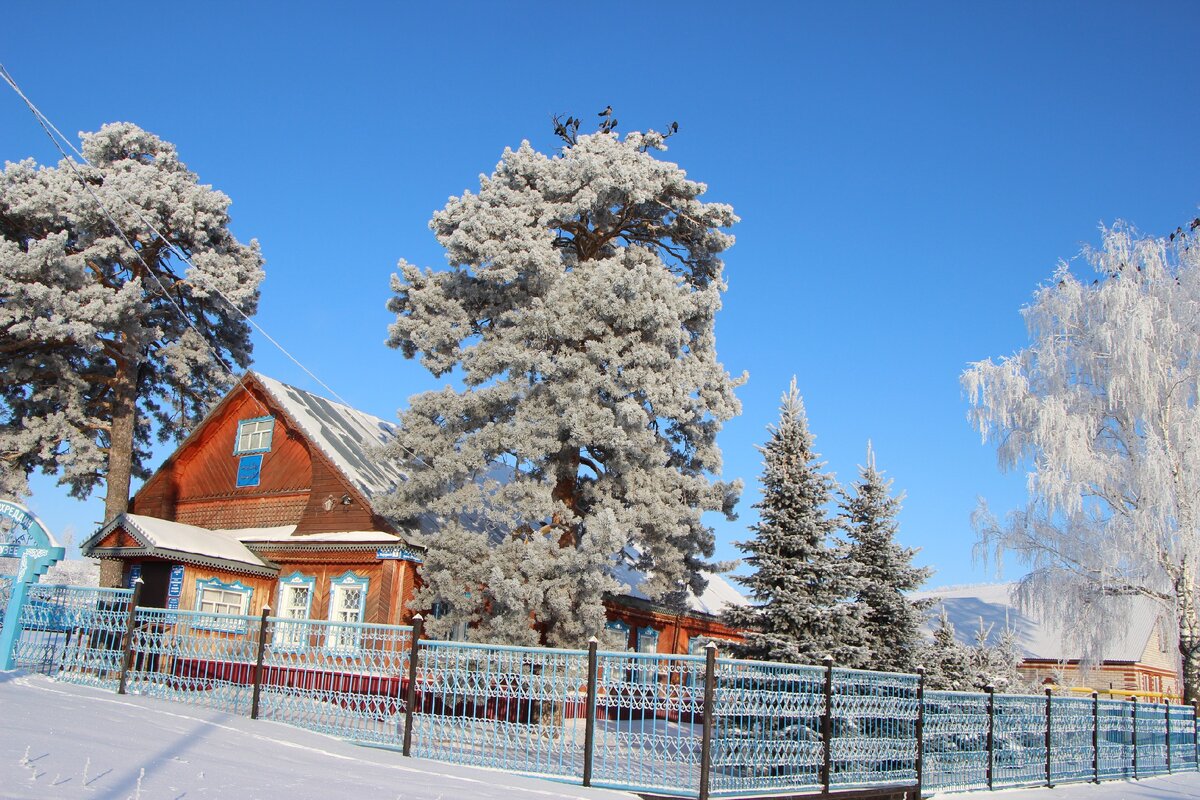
885, 572
947, 661
802, 610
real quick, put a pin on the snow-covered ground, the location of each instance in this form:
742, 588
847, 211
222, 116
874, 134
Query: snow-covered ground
1181, 786
60, 740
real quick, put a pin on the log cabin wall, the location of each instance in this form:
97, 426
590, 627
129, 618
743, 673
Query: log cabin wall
198, 484
333, 504
388, 590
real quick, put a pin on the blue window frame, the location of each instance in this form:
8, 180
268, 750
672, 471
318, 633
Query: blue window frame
295, 603
646, 670
254, 435
621, 629
249, 471
347, 604
217, 597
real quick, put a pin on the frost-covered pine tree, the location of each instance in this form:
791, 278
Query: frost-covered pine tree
106, 337
802, 608
578, 309
1102, 411
947, 661
891, 620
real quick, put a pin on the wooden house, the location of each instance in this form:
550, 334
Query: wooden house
270, 502
1139, 658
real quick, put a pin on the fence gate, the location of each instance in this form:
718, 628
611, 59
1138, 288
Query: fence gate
26, 539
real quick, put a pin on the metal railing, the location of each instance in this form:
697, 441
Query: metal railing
666, 724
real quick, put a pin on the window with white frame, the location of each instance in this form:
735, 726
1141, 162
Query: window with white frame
216, 597
295, 603
620, 632
347, 603
646, 670
254, 435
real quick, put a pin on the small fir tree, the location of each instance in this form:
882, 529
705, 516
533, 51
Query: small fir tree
892, 621
802, 608
947, 661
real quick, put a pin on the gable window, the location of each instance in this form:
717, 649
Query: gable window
295, 603
254, 435
224, 599
347, 602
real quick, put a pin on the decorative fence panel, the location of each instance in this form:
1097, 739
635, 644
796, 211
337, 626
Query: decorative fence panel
1152, 739
343, 679
1072, 728
1116, 739
955, 741
73, 630
194, 657
511, 708
767, 727
649, 721
634, 721
1183, 738
1019, 741
874, 729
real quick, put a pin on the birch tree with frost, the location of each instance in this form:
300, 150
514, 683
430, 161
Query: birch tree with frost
107, 337
578, 309
1102, 409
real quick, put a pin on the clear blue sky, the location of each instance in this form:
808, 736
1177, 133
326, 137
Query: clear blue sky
906, 175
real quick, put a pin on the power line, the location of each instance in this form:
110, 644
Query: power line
49, 126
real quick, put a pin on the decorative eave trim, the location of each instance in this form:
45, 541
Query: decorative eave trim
650, 607
185, 558
311, 547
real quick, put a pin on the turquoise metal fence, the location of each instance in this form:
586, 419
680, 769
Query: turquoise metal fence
874, 729
76, 630
665, 724
513, 708
342, 679
194, 657
1072, 730
768, 723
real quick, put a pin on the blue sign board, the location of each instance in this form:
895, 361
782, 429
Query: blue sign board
175, 586
135, 572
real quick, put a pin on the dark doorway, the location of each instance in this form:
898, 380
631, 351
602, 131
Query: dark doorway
155, 577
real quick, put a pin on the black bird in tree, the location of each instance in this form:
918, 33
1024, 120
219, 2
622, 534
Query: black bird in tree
607, 112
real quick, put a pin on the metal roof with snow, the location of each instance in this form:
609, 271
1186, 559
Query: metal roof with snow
995, 605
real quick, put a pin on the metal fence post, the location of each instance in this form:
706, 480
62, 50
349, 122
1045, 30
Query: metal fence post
258, 661
410, 695
991, 732
1095, 737
1196, 730
706, 734
827, 727
1167, 715
1133, 699
127, 639
1049, 694
920, 765
589, 729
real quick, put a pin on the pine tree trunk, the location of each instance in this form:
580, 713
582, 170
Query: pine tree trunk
120, 445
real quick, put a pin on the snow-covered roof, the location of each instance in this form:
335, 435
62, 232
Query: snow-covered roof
284, 533
347, 436
187, 542
995, 605
718, 596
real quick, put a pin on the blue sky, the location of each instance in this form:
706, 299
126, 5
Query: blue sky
906, 176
